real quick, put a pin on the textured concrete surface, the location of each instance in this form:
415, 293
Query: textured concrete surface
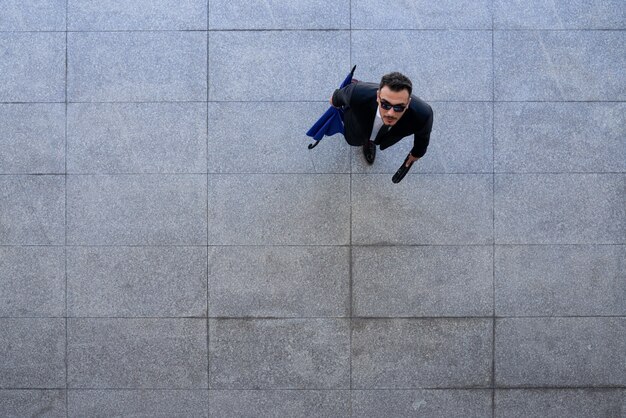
169, 247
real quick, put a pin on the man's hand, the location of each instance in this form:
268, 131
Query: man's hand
331, 102
410, 160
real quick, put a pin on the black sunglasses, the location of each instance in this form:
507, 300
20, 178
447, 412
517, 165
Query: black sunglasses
396, 108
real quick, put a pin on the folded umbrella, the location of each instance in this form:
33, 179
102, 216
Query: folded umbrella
331, 122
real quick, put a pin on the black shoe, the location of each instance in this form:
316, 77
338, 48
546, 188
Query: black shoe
369, 150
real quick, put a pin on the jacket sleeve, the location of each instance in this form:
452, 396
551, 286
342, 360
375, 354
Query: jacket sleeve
343, 97
421, 137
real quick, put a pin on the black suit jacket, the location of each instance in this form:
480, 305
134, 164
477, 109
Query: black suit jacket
359, 102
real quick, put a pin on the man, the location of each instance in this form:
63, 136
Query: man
382, 114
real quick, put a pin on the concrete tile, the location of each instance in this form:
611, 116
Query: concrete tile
138, 403
272, 139
421, 353
106, 15
279, 209
556, 403
422, 281
581, 280
277, 66
276, 14
279, 281
421, 14
443, 65
422, 209
137, 210
32, 352
137, 138
33, 15
137, 66
32, 67
548, 209
32, 138
560, 352
32, 281
561, 137
32, 209
421, 403
32, 403
137, 353
279, 403
137, 281
461, 142
279, 353
560, 65
573, 14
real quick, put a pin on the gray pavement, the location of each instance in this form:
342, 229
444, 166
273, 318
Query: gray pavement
169, 246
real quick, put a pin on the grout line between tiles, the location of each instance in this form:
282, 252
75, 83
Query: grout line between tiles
493, 214
208, 289
252, 102
503, 173
302, 318
350, 248
244, 30
65, 220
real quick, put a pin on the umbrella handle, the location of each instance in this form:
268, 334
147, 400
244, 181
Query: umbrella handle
313, 144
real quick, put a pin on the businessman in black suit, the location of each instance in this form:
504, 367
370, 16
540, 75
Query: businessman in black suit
382, 114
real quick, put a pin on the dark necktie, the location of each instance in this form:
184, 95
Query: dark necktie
381, 133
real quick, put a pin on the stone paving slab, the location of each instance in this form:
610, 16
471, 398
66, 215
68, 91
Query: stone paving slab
277, 14
421, 14
33, 15
547, 209
279, 281
422, 403
279, 353
33, 403
580, 280
556, 403
32, 209
422, 209
32, 138
136, 138
421, 353
560, 352
422, 281
136, 210
32, 67
136, 66
277, 209
33, 281
271, 139
138, 403
279, 403
444, 65
108, 15
559, 65
32, 352
563, 137
137, 282
573, 14
277, 65
106, 353
461, 142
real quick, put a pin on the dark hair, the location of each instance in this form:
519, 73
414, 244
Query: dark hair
396, 82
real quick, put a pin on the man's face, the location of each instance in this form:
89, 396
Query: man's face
396, 103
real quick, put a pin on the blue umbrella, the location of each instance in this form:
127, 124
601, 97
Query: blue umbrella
331, 122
